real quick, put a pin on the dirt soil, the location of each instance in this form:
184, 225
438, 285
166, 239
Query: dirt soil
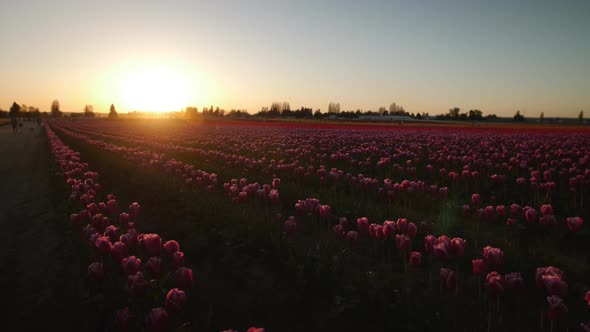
40, 273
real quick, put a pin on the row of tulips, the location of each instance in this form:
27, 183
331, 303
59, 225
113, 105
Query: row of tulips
118, 249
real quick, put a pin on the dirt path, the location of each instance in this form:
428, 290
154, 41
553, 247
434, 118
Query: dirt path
40, 275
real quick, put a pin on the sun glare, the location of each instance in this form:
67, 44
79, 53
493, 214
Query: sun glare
154, 90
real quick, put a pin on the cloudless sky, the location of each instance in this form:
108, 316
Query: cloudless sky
428, 56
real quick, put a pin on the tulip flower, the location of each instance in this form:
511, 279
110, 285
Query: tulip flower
130, 265
556, 307
96, 271
184, 277
176, 300
157, 320
415, 259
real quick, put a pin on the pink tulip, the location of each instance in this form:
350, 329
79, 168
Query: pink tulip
325, 211
494, 283
137, 285
556, 308
273, 196
152, 244
131, 265
415, 259
276, 183
176, 300
479, 267
96, 271
575, 224
184, 277
157, 320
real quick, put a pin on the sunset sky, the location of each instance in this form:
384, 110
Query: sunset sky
428, 56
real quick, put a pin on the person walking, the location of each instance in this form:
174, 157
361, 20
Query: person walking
14, 113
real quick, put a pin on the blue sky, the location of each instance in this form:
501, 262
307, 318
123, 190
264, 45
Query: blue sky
429, 56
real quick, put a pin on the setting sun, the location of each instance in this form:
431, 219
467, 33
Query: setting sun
153, 89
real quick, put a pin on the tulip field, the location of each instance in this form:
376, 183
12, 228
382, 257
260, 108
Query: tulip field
275, 226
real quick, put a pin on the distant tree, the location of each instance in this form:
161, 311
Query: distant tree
286, 106
113, 112
55, 109
382, 110
191, 112
88, 111
333, 107
14, 110
581, 117
542, 117
454, 112
518, 116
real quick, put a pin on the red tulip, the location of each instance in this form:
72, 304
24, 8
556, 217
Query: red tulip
255, 329
103, 245
479, 267
458, 246
545, 271
515, 209
440, 250
119, 251
466, 210
176, 300
290, 225
494, 283
448, 278
152, 244
125, 320
402, 225
493, 257
412, 230
184, 277
111, 232
501, 210
575, 224
178, 259
429, 242
585, 327
157, 320
363, 225
154, 266
134, 210
388, 229
476, 200
511, 222
171, 247
339, 231
555, 285
124, 218
96, 271
137, 285
443, 239
514, 282
547, 210
587, 298
131, 265
403, 243
556, 308
352, 236
490, 212
530, 215
415, 259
